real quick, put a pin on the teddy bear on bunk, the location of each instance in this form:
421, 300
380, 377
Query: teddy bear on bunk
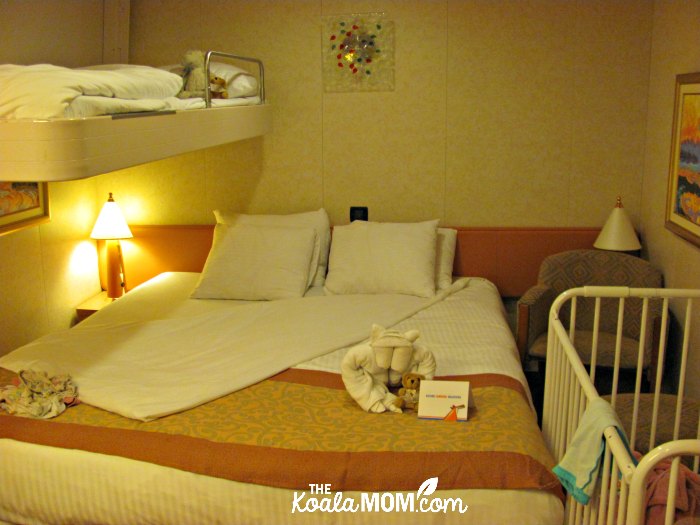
370, 369
194, 78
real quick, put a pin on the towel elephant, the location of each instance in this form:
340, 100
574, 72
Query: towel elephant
370, 369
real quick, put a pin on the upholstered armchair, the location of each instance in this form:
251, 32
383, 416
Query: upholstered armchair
576, 268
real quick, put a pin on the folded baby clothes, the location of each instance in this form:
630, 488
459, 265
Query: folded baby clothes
579, 468
37, 395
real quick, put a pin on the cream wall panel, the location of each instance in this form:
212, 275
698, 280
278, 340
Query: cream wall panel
541, 120
386, 150
65, 32
169, 191
46, 271
610, 85
509, 100
285, 174
23, 306
161, 31
69, 256
675, 41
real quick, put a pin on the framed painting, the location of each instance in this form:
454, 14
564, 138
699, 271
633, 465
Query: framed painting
683, 196
23, 204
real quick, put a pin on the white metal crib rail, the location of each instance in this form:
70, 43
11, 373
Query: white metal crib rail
620, 492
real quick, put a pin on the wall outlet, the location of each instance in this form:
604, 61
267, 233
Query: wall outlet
359, 213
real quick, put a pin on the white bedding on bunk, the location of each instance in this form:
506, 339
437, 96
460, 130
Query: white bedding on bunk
467, 332
92, 106
44, 91
142, 368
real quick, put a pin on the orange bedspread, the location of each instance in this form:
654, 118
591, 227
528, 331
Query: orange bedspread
301, 427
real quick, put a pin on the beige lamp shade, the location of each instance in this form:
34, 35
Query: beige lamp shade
618, 233
111, 223
110, 227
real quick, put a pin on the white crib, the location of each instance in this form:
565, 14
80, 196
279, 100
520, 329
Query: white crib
620, 493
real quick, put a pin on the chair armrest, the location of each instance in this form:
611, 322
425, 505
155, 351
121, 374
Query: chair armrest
533, 316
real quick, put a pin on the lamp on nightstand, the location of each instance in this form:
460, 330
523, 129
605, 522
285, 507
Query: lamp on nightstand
111, 226
618, 233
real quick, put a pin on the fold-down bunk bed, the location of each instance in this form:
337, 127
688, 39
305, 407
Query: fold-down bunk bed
51, 143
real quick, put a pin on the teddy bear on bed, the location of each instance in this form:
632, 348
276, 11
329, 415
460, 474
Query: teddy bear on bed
408, 393
218, 87
194, 78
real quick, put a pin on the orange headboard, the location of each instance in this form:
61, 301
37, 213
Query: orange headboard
509, 257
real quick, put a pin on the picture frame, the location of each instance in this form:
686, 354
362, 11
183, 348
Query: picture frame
23, 205
683, 193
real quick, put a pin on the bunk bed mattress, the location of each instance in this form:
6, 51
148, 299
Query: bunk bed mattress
246, 456
44, 91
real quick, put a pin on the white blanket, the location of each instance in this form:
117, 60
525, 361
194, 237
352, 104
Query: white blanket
44, 91
148, 369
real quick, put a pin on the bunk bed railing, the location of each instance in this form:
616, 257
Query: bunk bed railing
621, 488
261, 73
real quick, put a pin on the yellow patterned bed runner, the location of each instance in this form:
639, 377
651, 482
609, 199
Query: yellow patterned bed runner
301, 427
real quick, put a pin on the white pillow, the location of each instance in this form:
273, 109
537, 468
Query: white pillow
239, 82
445, 257
318, 220
256, 263
375, 258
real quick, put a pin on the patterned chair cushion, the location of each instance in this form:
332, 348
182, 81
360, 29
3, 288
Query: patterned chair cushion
666, 417
576, 268
606, 348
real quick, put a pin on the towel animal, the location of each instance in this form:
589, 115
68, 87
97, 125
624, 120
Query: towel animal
369, 369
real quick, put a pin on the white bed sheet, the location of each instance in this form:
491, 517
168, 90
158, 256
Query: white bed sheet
141, 367
93, 106
48, 485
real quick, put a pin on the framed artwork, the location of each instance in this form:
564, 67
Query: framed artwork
683, 197
23, 204
358, 53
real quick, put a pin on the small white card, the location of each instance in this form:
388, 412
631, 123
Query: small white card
446, 400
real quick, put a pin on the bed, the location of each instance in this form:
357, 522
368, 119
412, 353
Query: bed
64, 124
267, 452
643, 468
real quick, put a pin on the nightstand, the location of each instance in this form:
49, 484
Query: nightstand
92, 305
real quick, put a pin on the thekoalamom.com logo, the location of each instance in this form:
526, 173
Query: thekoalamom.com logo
321, 499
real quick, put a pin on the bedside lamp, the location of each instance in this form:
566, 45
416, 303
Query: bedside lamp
110, 227
618, 233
